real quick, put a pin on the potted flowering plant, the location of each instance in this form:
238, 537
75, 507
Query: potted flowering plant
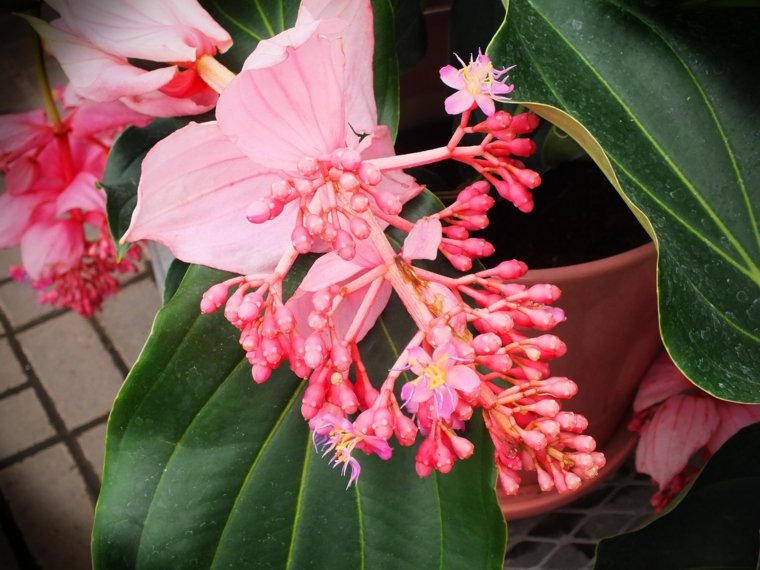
315, 256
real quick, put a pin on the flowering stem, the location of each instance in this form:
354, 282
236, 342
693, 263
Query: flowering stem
401, 161
216, 75
45, 91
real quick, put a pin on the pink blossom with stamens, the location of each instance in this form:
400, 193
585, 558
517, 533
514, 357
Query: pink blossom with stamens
477, 83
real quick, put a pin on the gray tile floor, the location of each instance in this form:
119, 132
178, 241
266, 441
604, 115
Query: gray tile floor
59, 374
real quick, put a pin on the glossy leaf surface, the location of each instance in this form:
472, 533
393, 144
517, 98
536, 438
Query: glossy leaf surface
714, 526
204, 469
667, 107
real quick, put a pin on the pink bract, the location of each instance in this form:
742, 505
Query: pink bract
93, 40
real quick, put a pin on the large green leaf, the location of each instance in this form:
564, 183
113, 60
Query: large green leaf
205, 469
715, 525
669, 101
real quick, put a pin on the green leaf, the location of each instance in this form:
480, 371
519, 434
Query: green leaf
205, 469
411, 34
123, 170
664, 101
174, 276
385, 66
249, 22
715, 525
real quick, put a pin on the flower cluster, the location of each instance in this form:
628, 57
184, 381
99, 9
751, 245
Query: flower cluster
252, 191
52, 207
680, 427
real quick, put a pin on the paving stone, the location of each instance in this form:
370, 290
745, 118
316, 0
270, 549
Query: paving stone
7, 558
23, 423
93, 443
11, 374
127, 318
73, 366
49, 502
19, 302
8, 257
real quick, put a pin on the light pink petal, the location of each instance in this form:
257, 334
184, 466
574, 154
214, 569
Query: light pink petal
331, 269
274, 50
359, 45
81, 194
679, 427
349, 308
51, 246
418, 392
15, 216
660, 382
158, 104
423, 241
21, 132
463, 378
733, 417
192, 197
96, 74
445, 401
21, 175
157, 30
459, 102
281, 114
450, 76
91, 118
486, 104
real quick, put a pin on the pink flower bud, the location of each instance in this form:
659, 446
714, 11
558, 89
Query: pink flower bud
343, 395
251, 307
559, 387
534, 439
486, 343
214, 298
462, 447
580, 442
316, 321
382, 423
572, 481
308, 167
456, 232
443, 458
359, 228
527, 178
314, 351
544, 293
458, 262
281, 190
524, 123
321, 300
363, 422
314, 224
313, 398
571, 422
545, 481
258, 211
360, 202
405, 430
388, 202
498, 121
547, 408
512, 269
477, 247
302, 241
509, 481
344, 245
341, 357
496, 362
260, 373
285, 319
370, 174
271, 351
348, 182
328, 232
303, 187
521, 147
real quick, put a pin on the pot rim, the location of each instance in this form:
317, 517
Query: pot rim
590, 269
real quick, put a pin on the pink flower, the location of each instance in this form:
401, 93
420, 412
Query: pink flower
675, 420
197, 183
94, 41
477, 83
52, 208
439, 379
334, 433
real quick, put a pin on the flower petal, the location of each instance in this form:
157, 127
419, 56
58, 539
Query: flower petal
166, 30
678, 428
51, 246
81, 194
733, 417
282, 114
423, 240
192, 196
463, 378
660, 382
459, 102
94, 73
15, 215
21, 132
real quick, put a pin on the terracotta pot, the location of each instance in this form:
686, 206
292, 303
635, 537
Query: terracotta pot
612, 336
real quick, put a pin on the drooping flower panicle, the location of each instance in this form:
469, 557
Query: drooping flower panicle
278, 176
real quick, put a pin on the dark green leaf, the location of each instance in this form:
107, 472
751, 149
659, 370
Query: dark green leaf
668, 99
123, 170
205, 469
249, 22
385, 66
411, 34
715, 525
174, 276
